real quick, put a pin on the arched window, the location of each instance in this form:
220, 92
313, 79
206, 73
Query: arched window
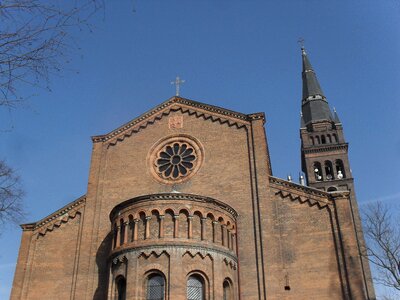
340, 169
155, 287
317, 139
120, 283
329, 170
318, 171
332, 189
335, 137
312, 140
329, 138
122, 232
115, 235
228, 292
323, 140
131, 228
195, 288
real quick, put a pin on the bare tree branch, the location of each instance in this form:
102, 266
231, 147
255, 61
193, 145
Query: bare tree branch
382, 231
11, 193
35, 38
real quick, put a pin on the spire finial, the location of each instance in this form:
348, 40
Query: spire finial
301, 43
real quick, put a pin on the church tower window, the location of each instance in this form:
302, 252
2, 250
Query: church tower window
155, 287
318, 171
195, 288
329, 138
340, 169
329, 170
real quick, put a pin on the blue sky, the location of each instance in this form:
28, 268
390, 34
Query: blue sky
242, 55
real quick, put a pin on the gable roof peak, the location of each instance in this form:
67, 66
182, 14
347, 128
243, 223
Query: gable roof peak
185, 105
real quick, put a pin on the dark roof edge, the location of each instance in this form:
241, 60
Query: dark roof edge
52, 216
211, 108
307, 189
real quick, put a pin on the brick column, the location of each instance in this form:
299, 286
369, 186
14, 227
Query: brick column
126, 231
190, 219
214, 224
176, 225
118, 236
147, 233
135, 232
161, 226
203, 228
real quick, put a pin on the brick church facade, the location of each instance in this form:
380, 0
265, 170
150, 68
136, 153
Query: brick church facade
182, 204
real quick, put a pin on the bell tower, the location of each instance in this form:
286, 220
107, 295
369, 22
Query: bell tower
324, 151
325, 162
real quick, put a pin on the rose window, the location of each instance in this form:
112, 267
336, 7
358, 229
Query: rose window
176, 160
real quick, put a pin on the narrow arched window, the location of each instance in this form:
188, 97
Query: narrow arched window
340, 169
115, 235
155, 287
335, 137
195, 288
329, 170
227, 288
120, 283
318, 171
122, 233
317, 139
329, 138
323, 139
312, 140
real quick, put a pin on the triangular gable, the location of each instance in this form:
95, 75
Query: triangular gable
190, 107
300, 193
58, 217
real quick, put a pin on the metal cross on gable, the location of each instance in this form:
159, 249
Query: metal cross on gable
177, 83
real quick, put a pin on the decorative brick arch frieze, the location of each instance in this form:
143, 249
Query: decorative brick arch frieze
301, 194
57, 219
184, 106
173, 217
174, 233
136, 264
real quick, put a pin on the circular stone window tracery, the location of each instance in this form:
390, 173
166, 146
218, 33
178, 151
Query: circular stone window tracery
176, 159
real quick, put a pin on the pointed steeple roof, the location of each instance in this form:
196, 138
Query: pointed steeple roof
314, 104
311, 85
336, 116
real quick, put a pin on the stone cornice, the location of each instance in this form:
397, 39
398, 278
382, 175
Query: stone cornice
172, 196
279, 182
326, 148
187, 106
159, 249
301, 193
57, 218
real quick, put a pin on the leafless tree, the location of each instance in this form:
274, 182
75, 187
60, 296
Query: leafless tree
35, 37
382, 232
11, 194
